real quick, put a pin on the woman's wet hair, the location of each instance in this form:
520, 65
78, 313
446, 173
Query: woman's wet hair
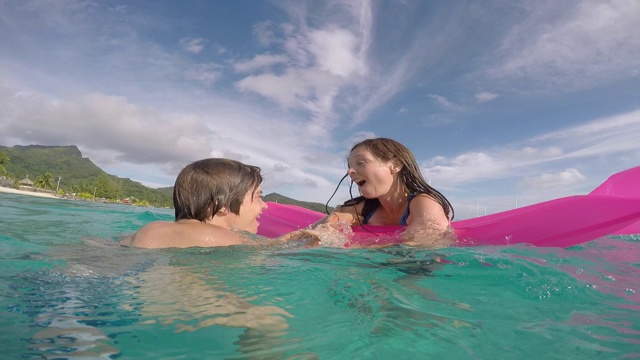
386, 150
206, 186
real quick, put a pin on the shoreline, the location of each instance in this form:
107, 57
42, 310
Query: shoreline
49, 196
28, 193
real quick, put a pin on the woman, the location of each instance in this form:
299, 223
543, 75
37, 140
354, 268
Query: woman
394, 192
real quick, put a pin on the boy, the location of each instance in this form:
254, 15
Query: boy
214, 200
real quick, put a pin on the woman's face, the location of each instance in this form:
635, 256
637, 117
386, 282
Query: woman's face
250, 210
373, 176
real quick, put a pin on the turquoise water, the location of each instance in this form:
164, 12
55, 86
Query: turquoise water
67, 291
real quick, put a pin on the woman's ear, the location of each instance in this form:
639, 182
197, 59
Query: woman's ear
396, 166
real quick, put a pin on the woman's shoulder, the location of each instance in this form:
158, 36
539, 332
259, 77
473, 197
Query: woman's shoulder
426, 210
424, 201
423, 198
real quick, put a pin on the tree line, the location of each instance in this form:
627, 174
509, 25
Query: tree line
62, 168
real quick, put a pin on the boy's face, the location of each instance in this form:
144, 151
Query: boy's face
250, 210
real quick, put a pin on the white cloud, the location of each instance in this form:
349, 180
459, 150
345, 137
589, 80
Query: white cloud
265, 33
359, 136
259, 61
194, 46
331, 66
599, 138
536, 153
570, 48
468, 167
103, 122
120, 8
158, 118
336, 51
114, 132
109, 124
485, 96
568, 177
206, 73
324, 62
311, 90
444, 102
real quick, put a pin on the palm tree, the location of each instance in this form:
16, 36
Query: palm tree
44, 181
4, 160
82, 188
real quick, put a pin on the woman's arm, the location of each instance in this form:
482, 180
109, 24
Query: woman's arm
427, 213
428, 225
327, 226
332, 230
343, 215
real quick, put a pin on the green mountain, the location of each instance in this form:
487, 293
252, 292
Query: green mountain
80, 175
76, 174
275, 197
166, 190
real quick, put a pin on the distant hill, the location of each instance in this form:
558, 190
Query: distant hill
275, 197
166, 190
78, 174
65, 161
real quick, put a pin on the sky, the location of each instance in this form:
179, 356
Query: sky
504, 103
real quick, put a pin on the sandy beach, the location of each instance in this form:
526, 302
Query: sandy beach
29, 193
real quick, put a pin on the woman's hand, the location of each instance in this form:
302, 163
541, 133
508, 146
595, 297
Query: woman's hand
333, 231
306, 237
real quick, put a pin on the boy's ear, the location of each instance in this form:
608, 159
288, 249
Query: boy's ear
223, 211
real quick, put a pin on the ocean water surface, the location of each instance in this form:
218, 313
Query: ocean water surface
67, 291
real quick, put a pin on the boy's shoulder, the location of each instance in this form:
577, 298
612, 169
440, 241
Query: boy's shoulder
181, 234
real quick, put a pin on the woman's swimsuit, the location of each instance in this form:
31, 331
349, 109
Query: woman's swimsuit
403, 219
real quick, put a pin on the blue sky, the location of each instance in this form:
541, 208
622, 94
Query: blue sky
504, 103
